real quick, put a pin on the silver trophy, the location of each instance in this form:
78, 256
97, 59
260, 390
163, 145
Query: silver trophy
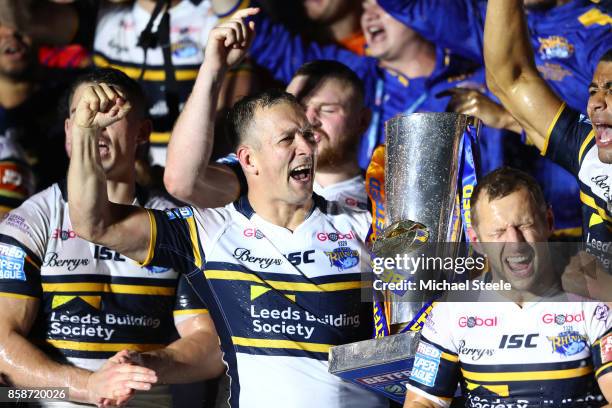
422, 167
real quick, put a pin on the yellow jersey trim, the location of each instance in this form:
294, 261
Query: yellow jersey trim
109, 288
152, 240
590, 201
527, 375
603, 367
280, 285
189, 312
17, 296
552, 127
584, 145
85, 346
152, 75
284, 344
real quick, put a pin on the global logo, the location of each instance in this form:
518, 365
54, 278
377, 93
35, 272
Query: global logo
64, 235
343, 257
253, 233
475, 321
568, 342
335, 236
562, 319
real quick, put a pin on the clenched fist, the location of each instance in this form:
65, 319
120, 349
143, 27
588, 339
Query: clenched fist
100, 106
229, 42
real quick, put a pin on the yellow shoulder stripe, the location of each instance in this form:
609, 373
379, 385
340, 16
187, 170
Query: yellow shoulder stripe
285, 344
552, 127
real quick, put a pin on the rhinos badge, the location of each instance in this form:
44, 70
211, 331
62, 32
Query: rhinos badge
568, 342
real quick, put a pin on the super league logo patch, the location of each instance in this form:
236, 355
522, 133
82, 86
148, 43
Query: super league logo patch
12, 262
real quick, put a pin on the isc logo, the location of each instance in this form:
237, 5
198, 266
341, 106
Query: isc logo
515, 341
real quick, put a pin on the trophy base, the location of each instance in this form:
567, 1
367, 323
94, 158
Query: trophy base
380, 365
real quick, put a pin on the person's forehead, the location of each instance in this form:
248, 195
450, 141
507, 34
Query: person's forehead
282, 116
327, 90
603, 72
504, 208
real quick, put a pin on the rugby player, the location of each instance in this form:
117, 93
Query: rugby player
67, 306
531, 347
334, 102
581, 145
279, 288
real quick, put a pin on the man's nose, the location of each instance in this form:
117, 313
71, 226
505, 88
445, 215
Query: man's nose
597, 102
312, 114
514, 234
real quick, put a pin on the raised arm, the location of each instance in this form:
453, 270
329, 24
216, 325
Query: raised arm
511, 71
125, 228
188, 175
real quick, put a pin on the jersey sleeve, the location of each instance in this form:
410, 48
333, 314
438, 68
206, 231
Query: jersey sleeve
188, 304
430, 19
567, 137
23, 239
174, 241
435, 372
599, 331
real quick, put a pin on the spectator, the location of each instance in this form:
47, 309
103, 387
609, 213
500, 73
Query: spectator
68, 305
336, 21
561, 133
276, 316
16, 177
500, 349
29, 121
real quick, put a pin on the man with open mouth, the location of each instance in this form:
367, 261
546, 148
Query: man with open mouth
582, 145
532, 345
279, 269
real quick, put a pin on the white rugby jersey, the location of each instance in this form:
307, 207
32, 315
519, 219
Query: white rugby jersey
117, 32
349, 192
279, 299
545, 354
94, 301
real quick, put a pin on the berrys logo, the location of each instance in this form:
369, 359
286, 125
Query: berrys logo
335, 236
475, 321
562, 319
253, 233
64, 235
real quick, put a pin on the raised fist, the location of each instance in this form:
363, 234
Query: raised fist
229, 42
100, 106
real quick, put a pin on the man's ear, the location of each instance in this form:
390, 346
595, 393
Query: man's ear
67, 136
474, 241
247, 160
